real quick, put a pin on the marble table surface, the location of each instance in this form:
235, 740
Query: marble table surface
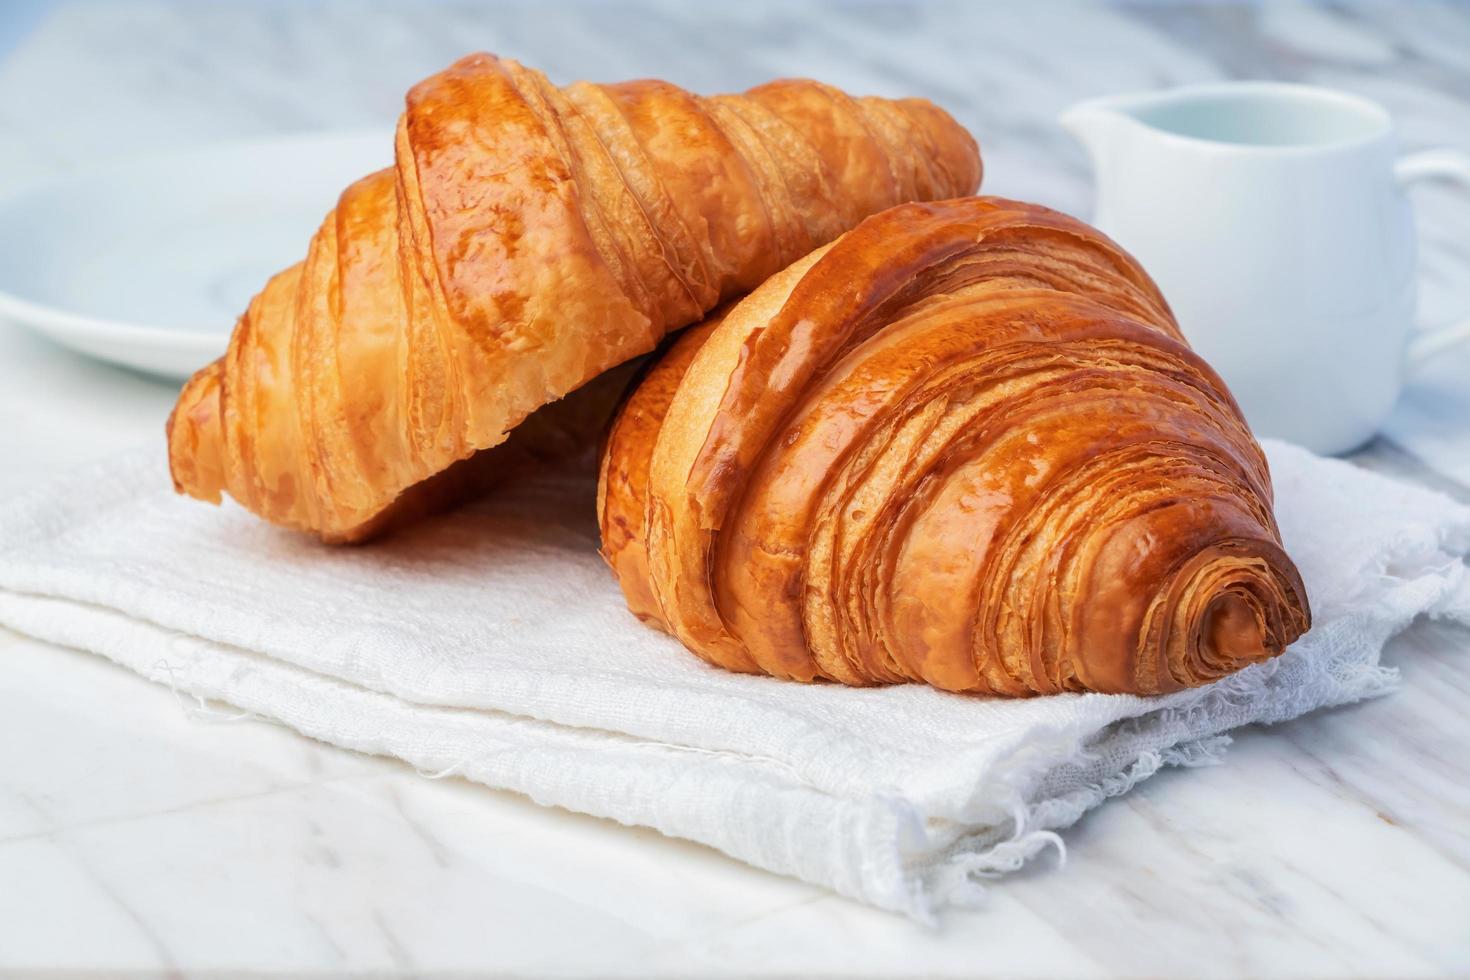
136, 835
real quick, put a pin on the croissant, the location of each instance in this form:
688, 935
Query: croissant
964, 445
527, 238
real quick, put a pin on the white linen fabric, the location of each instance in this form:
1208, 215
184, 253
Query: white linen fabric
492, 643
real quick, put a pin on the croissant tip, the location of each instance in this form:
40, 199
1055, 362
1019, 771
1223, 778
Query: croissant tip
1234, 632
194, 437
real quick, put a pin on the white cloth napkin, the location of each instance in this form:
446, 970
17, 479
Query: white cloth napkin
493, 644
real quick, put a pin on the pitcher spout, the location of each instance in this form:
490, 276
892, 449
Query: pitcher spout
1115, 139
1097, 122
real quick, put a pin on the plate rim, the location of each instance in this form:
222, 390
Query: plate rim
61, 323
54, 321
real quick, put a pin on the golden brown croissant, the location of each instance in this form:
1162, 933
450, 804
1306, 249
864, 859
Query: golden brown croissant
528, 238
965, 444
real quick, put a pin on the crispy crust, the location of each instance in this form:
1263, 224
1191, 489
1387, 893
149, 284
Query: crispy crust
527, 239
965, 445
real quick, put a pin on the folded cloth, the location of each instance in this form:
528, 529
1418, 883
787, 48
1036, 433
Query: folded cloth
493, 643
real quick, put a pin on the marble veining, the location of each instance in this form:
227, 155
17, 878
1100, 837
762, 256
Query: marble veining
138, 835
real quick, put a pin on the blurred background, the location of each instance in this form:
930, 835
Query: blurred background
129, 822
85, 86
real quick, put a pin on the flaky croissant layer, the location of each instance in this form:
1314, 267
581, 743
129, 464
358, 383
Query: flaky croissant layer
527, 238
963, 445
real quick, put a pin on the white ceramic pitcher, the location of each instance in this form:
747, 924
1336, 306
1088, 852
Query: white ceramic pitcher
1274, 219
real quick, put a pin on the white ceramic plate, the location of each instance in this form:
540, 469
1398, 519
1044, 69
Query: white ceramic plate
148, 263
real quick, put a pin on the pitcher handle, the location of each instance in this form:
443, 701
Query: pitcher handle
1428, 165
